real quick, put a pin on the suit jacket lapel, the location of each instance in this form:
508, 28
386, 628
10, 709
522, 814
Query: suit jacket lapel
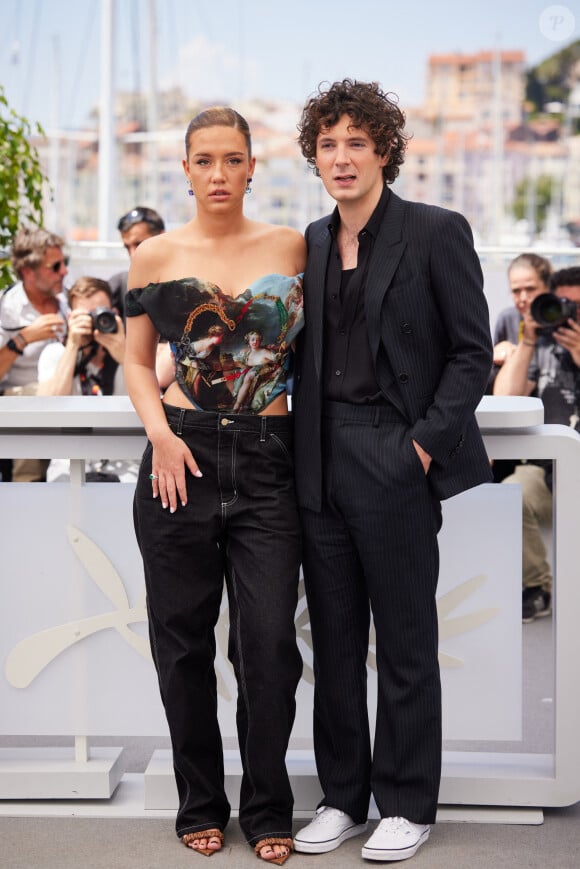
386, 254
314, 281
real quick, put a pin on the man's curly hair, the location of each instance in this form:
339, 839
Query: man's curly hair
369, 107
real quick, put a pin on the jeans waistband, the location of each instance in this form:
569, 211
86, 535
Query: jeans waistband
180, 418
373, 414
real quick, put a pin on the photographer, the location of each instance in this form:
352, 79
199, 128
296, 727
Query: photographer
546, 363
89, 362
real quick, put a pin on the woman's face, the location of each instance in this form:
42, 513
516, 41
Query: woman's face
525, 286
218, 166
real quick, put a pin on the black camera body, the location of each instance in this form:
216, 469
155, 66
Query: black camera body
104, 320
552, 312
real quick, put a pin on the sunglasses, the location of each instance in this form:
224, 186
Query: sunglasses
141, 215
56, 267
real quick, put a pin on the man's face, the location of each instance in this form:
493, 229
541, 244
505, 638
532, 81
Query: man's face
49, 276
572, 293
137, 233
349, 166
89, 303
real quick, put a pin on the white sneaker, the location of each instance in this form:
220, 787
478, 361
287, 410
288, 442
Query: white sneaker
326, 831
395, 839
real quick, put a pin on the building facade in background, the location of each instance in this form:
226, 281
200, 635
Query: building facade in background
472, 149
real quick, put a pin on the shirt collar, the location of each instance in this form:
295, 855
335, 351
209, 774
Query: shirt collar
374, 222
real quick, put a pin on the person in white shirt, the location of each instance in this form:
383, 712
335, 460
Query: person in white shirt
89, 362
32, 315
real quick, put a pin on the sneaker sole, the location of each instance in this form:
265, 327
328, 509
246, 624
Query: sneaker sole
330, 844
398, 854
527, 620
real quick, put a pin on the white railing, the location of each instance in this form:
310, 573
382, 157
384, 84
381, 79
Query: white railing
74, 657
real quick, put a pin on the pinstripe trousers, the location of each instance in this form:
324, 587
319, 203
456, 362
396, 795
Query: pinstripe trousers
373, 547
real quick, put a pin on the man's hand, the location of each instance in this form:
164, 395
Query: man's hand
425, 457
45, 327
113, 342
80, 329
568, 337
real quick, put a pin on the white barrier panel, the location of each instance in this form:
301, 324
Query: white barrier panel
74, 649
59, 557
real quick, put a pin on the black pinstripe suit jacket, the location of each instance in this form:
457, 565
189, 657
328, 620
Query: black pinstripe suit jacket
428, 327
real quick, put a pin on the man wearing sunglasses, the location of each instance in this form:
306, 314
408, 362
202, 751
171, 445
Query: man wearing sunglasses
137, 225
33, 313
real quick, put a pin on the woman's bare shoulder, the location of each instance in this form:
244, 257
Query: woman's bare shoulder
283, 238
274, 230
150, 260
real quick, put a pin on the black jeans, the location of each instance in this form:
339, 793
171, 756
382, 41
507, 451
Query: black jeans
240, 521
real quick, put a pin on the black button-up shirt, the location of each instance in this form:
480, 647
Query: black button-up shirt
349, 373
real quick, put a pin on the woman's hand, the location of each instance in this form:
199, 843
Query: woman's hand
170, 458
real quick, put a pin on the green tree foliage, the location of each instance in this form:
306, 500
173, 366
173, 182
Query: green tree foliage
552, 79
21, 180
532, 200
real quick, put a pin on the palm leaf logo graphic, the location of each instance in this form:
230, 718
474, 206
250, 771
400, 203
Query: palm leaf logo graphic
31, 655
448, 627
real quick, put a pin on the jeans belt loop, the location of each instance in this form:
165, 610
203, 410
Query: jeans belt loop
182, 413
263, 425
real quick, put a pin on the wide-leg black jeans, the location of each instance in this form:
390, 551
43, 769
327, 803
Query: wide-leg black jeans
240, 522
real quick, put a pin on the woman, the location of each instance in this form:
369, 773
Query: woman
215, 493
528, 275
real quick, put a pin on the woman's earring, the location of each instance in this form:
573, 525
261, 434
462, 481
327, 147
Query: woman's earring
249, 186
316, 171
190, 191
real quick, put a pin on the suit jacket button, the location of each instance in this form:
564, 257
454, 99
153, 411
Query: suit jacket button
403, 377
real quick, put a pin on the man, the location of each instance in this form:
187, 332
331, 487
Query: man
32, 315
88, 363
547, 363
135, 226
91, 358
394, 358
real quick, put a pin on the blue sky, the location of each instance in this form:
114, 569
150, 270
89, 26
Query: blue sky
230, 50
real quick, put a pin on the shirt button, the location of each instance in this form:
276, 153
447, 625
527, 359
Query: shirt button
333, 296
406, 328
338, 372
403, 377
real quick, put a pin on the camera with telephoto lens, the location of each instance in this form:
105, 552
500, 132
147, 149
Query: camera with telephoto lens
552, 312
104, 320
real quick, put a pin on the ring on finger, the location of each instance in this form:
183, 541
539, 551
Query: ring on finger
153, 477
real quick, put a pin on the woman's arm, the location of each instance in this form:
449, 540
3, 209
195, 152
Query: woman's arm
170, 454
512, 377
